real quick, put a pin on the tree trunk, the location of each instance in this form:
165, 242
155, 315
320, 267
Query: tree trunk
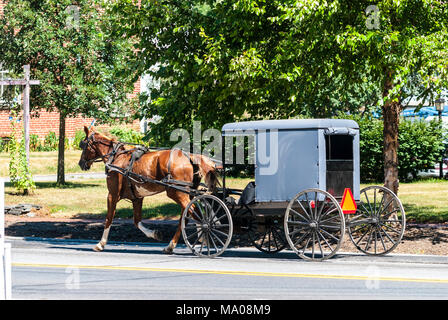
61, 148
391, 117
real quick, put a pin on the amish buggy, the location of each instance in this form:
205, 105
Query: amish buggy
305, 196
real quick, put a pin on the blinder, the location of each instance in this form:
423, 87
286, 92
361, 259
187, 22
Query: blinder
83, 144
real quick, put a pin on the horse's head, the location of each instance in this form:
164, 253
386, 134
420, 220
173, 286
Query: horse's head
94, 148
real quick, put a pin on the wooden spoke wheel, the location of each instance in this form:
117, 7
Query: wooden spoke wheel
268, 235
314, 225
206, 226
264, 232
378, 225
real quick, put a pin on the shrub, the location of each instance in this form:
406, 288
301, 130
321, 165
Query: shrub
420, 147
50, 142
19, 171
127, 135
4, 144
34, 142
79, 136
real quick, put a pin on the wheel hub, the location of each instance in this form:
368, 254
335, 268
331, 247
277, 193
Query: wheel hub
314, 224
205, 226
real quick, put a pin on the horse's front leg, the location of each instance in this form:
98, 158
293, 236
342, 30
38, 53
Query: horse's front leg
182, 199
112, 200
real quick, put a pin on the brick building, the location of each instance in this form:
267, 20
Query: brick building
46, 121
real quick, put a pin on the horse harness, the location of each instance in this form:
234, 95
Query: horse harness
136, 153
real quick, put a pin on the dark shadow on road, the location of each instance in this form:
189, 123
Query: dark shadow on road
85, 229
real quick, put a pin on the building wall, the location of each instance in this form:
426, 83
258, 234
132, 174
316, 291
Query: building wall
44, 122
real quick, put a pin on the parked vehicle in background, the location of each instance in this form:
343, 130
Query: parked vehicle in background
435, 172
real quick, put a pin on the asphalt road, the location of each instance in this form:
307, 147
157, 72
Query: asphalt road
68, 269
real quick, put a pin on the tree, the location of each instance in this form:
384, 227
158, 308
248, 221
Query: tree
79, 63
406, 42
224, 61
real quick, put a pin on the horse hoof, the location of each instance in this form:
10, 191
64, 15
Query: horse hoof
167, 250
98, 248
158, 235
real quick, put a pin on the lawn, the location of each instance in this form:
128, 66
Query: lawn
425, 201
43, 163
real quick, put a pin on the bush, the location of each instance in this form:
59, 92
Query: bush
19, 171
50, 142
420, 147
79, 136
4, 144
34, 142
127, 135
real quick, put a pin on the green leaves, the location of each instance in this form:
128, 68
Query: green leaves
420, 147
19, 170
227, 61
71, 50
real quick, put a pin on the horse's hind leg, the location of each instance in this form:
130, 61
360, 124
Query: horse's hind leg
111, 206
137, 205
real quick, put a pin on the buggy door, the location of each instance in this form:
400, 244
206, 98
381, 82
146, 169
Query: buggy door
340, 159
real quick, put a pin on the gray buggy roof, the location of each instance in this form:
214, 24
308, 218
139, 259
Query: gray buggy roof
290, 124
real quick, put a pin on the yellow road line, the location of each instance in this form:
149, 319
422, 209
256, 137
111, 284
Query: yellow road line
237, 273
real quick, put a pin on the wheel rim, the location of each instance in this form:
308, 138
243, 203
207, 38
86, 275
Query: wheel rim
379, 223
207, 226
314, 225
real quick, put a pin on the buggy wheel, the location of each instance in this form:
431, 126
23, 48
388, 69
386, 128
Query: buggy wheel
314, 225
206, 226
268, 235
379, 223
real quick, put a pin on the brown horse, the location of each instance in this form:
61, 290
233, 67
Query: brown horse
154, 165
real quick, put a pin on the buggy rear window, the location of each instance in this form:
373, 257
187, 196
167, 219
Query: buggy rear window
339, 147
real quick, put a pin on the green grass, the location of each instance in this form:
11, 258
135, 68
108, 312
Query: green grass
45, 163
425, 201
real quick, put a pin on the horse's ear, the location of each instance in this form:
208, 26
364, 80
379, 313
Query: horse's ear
86, 130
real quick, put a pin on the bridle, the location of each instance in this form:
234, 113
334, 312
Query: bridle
90, 141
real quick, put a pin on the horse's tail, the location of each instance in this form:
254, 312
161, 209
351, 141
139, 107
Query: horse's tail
204, 167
